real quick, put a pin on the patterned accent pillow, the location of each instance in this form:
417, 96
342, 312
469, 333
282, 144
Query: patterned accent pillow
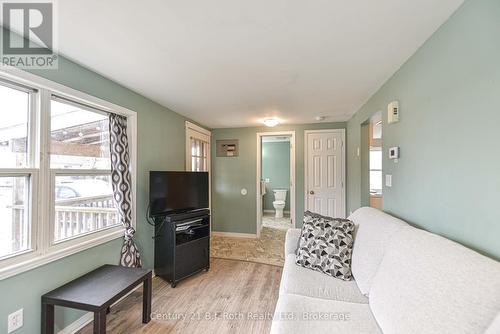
325, 245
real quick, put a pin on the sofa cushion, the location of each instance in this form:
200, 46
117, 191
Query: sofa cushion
325, 245
292, 241
429, 284
495, 326
374, 229
301, 281
300, 314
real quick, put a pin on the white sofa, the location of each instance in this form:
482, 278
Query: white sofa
406, 281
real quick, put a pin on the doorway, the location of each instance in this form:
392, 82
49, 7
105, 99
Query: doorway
325, 172
275, 181
374, 163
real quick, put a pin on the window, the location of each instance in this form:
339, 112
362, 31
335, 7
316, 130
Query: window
199, 155
16, 174
15, 227
375, 169
79, 137
80, 170
80, 165
197, 148
56, 196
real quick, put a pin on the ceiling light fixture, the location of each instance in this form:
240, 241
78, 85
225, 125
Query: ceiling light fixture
320, 118
270, 122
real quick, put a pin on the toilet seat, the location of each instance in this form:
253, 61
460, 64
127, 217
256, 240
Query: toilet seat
279, 202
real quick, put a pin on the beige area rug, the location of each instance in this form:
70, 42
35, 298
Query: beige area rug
268, 249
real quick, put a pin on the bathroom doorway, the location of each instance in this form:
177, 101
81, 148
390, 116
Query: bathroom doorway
275, 181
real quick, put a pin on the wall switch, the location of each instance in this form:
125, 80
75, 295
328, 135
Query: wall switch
388, 180
15, 321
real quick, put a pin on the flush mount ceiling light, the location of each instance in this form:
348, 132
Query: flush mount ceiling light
270, 122
320, 118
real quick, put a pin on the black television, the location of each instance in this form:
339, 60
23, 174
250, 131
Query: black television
177, 192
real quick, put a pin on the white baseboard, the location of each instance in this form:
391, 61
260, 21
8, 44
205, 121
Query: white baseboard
87, 318
234, 235
75, 326
272, 211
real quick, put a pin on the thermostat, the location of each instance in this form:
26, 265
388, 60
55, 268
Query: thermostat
394, 152
393, 112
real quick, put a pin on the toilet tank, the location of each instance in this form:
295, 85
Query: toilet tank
279, 194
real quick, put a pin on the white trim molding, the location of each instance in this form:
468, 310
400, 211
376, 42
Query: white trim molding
234, 235
293, 179
43, 249
342, 132
78, 324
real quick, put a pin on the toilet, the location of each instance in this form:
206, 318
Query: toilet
279, 201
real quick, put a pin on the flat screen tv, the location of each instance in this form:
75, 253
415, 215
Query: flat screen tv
177, 192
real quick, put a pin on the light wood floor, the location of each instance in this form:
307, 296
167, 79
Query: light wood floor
268, 249
229, 289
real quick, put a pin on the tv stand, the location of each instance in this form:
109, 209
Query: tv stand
182, 245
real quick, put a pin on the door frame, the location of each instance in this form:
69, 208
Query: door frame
196, 131
343, 164
293, 179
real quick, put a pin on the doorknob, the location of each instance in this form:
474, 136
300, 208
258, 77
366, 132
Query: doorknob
311, 192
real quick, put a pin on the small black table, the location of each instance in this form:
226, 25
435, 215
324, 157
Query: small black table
95, 292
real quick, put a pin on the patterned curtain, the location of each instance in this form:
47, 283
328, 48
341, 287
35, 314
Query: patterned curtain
122, 186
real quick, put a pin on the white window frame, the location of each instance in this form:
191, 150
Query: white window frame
196, 132
43, 248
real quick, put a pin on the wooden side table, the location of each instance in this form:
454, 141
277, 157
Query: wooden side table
95, 292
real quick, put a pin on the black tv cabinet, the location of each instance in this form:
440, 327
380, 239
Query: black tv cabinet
182, 245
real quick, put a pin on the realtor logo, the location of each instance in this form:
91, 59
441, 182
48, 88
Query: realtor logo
28, 35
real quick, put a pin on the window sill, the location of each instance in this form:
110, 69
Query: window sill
34, 259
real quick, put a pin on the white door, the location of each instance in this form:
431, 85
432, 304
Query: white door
325, 172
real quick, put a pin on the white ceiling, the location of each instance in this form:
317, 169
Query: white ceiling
231, 63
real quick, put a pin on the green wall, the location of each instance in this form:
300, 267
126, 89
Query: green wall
276, 167
161, 145
233, 212
448, 177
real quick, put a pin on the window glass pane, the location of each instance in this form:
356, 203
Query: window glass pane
205, 149
193, 164
14, 215
79, 138
14, 110
83, 204
375, 180
198, 148
193, 146
376, 159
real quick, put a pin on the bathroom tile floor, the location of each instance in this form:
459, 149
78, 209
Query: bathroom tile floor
268, 220
267, 249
